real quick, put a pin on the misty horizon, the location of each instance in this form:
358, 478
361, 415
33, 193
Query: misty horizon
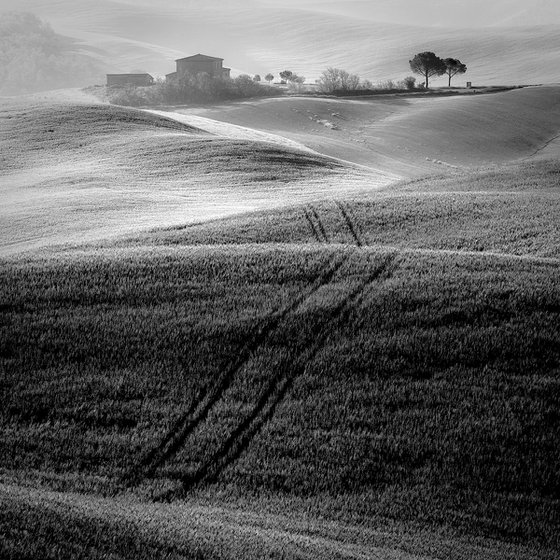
505, 42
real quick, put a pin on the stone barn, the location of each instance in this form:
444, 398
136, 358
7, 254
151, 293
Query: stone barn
198, 64
122, 80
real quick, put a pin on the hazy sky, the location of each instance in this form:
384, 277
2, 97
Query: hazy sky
258, 36
447, 13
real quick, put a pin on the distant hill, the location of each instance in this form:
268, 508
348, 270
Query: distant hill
409, 136
73, 171
33, 57
258, 37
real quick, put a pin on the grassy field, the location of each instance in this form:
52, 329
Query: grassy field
511, 210
409, 137
75, 171
349, 366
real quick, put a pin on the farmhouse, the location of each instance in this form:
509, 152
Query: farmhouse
121, 80
200, 63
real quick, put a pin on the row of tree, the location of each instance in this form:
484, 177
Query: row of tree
285, 76
204, 88
428, 64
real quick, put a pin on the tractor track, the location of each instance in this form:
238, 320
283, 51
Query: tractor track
312, 226
349, 222
198, 411
320, 224
284, 375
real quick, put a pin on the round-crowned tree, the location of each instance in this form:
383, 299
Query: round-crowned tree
453, 67
286, 75
427, 64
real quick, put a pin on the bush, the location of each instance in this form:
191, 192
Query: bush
296, 84
337, 80
131, 96
409, 82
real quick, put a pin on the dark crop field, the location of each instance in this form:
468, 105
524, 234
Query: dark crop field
388, 360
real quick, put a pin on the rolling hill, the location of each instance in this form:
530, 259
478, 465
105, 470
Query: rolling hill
219, 340
502, 43
408, 136
341, 379
76, 171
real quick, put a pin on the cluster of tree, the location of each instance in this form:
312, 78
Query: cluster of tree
191, 88
291, 77
428, 64
336, 80
33, 57
287, 76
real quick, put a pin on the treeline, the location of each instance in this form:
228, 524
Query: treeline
426, 64
35, 58
190, 88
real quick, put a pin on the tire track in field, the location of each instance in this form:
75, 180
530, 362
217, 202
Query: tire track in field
314, 231
198, 412
320, 224
284, 376
351, 226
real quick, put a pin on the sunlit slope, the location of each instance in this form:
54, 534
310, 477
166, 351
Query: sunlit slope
409, 136
261, 37
511, 211
76, 172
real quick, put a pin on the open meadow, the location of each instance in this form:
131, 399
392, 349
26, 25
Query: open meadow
226, 342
